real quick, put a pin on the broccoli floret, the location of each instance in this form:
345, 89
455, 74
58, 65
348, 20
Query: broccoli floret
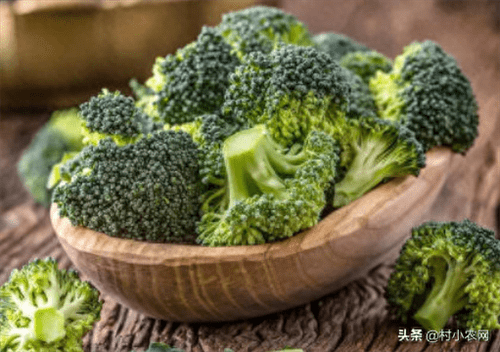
337, 45
148, 190
46, 309
361, 103
427, 91
60, 135
261, 28
292, 91
114, 115
269, 192
140, 90
192, 82
373, 150
366, 63
448, 269
209, 132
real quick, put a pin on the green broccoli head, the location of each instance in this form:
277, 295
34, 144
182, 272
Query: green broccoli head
192, 82
60, 135
293, 91
427, 91
269, 192
337, 45
448, 269
366, 63
45, 309
148, 190
361, 103
373, 150
209, 131
261, 28
116, 116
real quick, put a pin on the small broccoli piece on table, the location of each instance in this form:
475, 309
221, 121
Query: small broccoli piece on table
269, 192
366, 63
191, 82
427, 92
448, 269
60, 135
46, 309
373, 150
261, 28
116, 116
148, 190
293, 91
337, 45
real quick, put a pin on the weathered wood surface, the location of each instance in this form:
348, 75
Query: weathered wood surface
355, 317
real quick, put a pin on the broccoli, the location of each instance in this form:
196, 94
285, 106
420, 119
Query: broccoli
106, 115
361, 103
212, 132
448, 269
337, 45
373, 150
209, 131
46, 309
60, 135
114, 115
293, 90
261, 28
427, 92
366, 63
269, 192
190, 83
148, 190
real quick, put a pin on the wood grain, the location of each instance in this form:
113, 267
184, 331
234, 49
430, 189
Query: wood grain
188, 283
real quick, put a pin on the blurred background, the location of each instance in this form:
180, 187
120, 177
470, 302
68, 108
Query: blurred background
57, 53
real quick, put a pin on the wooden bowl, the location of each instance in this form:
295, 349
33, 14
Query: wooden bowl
189, 283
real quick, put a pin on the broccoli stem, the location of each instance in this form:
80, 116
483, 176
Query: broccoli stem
49, 325
255, 164
370, 166
447, 295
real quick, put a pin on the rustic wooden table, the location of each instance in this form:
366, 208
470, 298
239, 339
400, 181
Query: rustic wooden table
354, 318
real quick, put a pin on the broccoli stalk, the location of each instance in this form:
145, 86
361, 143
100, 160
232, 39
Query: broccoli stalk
373, 150
46, 309
447, 296
448, 269
254, 163
268, 192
